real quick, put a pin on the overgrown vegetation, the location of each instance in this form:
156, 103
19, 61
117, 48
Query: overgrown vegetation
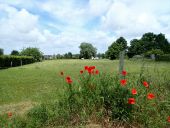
137, 99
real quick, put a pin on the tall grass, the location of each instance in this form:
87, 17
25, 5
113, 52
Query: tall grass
97, 96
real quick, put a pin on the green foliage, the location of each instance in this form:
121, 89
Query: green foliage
1, 51
5, 60
136, 48
95, 96
68, 55
145, 113
37, 116
165, 57
155, 52
101, 55
148, 42
116, 47
15, 52
34, 52
87, 50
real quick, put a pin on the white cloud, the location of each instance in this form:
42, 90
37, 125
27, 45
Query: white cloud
60, 26
134, 18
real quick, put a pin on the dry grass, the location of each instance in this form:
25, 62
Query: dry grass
18, 109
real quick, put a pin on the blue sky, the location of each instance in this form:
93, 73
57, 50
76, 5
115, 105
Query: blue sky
59, 26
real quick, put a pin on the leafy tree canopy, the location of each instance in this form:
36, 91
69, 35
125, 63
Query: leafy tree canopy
116, 47
87, 50
34, 52
1, 51
15, 52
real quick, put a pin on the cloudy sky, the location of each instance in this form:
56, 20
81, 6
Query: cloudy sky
59, 26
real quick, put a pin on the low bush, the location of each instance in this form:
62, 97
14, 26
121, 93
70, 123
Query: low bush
165, 57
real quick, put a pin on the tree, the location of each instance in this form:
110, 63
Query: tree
149, 42
87, 50
101, 55
34, 52
1, 51
15, 52
69, 55
136, 48
116, 47
162, 43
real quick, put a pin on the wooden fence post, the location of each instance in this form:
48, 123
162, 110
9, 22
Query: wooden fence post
121, 62
11, 63
21, 62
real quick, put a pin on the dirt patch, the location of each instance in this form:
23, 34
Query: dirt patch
18, 108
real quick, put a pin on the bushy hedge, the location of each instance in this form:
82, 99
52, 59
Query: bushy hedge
8, 61
165, 57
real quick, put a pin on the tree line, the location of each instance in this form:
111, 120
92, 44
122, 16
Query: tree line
148, 44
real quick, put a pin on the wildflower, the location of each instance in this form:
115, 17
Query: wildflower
134, 92
124, 73
86, 67
169, 119
68, 78
81, 71
69, 81
97, 72
9, 114
150, 96
123, 82
145, 84
61, 73
93, 67
131, 101
89, 71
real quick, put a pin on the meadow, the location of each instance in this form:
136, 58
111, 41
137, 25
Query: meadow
23, 87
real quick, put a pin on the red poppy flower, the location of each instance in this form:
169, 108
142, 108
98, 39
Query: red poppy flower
92, 67
150, 96
9, 114
86, 67
89, 71
97, 72
68, 78
61, 73
124, 73
134, 92
123, 82
145, 84
69, 81
81, 71
169, 119
131, 101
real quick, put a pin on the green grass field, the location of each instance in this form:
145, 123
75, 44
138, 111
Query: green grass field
41, 82
21, 88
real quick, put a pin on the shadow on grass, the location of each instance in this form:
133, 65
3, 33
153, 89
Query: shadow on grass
2, 68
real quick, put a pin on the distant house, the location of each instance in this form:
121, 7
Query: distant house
48, 57
94, 58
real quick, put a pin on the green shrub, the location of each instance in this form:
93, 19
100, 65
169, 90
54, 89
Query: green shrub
154, 51
8, 61
165, 57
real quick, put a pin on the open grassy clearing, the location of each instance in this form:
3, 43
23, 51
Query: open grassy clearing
27, 86
41, 82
